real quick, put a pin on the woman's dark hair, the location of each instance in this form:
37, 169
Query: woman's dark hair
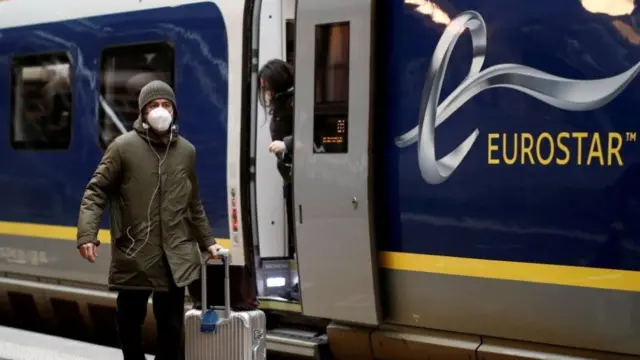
278, 78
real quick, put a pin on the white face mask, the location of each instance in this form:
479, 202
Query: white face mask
160, 119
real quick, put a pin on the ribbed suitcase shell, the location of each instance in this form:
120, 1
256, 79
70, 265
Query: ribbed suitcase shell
242, 338
238, 335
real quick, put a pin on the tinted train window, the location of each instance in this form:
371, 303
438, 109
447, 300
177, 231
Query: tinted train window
124, 71
41, 101
331, 108
290, 41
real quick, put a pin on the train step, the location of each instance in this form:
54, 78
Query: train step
300, 343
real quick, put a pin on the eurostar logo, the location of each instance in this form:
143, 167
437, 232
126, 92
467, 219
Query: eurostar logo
566, 94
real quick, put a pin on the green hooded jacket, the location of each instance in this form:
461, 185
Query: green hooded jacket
126, 179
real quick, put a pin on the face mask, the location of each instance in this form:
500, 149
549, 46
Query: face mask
159, 119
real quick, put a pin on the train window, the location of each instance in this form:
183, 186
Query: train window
41, 100
331, 110
124, 71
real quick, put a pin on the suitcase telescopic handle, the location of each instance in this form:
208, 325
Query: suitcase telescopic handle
224, 254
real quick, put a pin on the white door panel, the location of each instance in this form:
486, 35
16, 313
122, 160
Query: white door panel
336, 254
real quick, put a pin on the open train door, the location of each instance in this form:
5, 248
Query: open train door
335, 250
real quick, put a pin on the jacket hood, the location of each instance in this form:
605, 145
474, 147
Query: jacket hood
153, 137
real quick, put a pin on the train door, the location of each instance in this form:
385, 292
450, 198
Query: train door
275, 252
335, 251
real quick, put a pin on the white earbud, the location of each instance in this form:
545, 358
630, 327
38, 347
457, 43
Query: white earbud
161, 160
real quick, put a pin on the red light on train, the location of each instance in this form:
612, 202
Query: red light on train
234, 212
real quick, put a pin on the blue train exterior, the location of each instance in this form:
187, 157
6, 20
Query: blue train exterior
541, 247
45, 187
574, 214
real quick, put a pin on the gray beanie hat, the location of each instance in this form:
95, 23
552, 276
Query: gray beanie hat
155, 90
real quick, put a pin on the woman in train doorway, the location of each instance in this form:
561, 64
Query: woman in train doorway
276, 79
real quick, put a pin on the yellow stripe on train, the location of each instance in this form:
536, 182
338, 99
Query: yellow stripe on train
510, 270
504, 270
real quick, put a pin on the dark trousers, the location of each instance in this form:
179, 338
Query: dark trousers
168, 309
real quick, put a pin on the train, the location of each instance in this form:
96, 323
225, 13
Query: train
463, 175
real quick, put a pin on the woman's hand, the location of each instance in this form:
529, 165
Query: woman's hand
277, 147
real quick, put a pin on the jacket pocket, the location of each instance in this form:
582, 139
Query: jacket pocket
124, 262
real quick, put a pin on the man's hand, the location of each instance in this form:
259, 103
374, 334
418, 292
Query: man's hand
213, 251
89, 251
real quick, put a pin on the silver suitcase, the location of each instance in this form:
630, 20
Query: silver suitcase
222, 334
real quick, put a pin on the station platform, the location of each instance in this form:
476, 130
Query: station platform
16, 344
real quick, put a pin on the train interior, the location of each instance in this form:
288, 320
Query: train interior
275, 253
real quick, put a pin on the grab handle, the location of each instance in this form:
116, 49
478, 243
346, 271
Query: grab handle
224, 253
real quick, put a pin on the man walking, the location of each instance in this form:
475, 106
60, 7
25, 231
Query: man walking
148, 178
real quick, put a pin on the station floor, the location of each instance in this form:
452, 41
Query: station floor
16, 344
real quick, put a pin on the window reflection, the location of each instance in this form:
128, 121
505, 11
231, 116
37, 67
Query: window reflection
41, 102
332, 63
125, 70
